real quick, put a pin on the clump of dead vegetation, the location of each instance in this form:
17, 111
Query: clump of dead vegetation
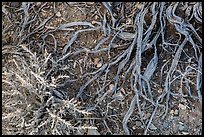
150, 53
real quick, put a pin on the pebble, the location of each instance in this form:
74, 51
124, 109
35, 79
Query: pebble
172, 111
176, 112
147, 115
15, 4
166, 125
119, 96
99, 65
38, 3
111, 86
181, 106
134, 127
181, 127
181, 123
138, 123
93, 132
97, 62
152, 127
189, 60
90, 3
185, 133
186, 128
58, 14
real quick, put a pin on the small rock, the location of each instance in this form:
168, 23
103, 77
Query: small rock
147, 115
139, 6
181, 106
4, 10
126, 35
181, 123
166, 125
189, 60
160, 91
185, 128
181, 127
111, 86
89, 3
99, 65
119, 96
185, 133
172, 111
183, 100
138, 123
134, 127
176, 112
38, 3
152, 127
97, 62
15, 4
58, 14
93, 131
